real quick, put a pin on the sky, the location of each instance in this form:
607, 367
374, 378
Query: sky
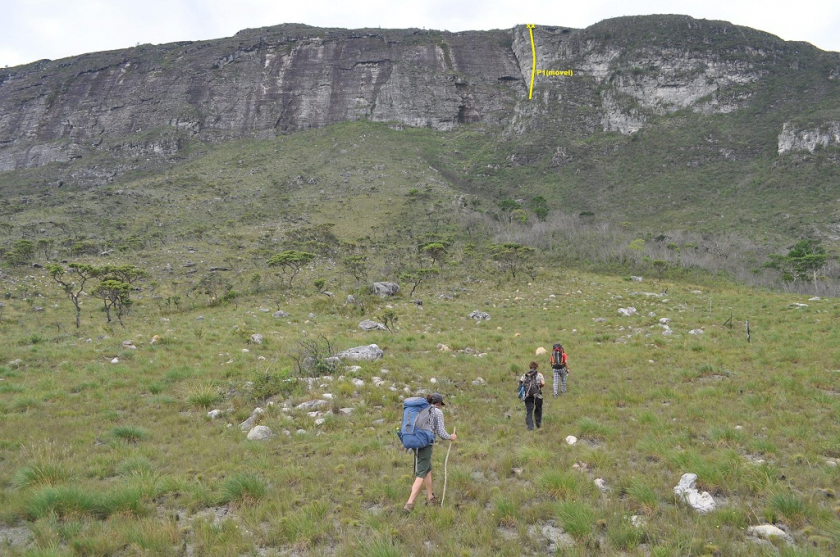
32, 30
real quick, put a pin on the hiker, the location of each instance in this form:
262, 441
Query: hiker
530, 388
559, 362
423, 457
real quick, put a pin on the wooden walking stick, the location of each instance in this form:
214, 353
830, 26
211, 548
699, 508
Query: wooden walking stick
445, 464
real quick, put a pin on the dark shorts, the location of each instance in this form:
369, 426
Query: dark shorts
424, 461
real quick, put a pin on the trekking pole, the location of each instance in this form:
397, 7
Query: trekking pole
445, 464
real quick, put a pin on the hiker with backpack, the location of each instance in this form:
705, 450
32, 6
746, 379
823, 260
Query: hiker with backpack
559, 362
422, 420
530, 392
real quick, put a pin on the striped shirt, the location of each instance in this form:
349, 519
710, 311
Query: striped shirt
436, 416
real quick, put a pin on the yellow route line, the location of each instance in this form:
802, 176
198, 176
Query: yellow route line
533, 58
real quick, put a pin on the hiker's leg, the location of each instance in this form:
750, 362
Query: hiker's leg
556, 379
538, 411
563, 380
424, 468
529, 412
415, 489
428, 482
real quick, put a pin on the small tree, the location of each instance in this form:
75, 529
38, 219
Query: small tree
21, 253
291, 262
356, 265
802, 261
511, 256
539, 206
416, 277
73, 288
115, 294
436, 251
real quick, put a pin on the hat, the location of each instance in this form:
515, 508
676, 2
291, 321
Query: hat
436, 398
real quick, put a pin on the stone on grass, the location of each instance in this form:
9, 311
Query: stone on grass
479, 381
664, 321
571, 440
256, 338
358, 383
443, 348
479, 315
280, 314
695, 332
129, 345
213, 414
636, 279
599, 320
300, 432
312, 404
384, 289
346, 411
627, 312
115, 361
539, 351
700, 502
601, 485
638, 521
370, 352
368, 325
354, 369
260, 433
432, 380
319, 421
768, 531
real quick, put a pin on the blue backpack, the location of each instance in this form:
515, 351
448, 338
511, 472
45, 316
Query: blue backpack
416, 429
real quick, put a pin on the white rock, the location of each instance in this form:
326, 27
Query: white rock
280, 314
443, 348
695, 332
358, 383
115, 361
245, 350
701, 502
667, 332
328, 396
346, 411
354, 369
300, 432
213, 414
256, 338
814, 299
768, 531
540, 351
129, 345
637, 521
665, 320
601, 485
319, 421
636, 279
627, 312
260, 433
317, 403
571, 440
479, 381
432, 380
799, 305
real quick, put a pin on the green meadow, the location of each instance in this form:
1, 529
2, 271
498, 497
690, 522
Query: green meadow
109, 450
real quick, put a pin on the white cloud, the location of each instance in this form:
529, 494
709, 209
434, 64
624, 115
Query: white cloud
35, 29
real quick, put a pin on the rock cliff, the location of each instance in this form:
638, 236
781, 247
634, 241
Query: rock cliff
616, 76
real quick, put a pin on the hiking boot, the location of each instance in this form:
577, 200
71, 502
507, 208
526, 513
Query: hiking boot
433, 500
408, 508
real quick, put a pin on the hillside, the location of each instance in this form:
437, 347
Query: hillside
667, 123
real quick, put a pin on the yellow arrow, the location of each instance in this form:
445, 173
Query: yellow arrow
533, 58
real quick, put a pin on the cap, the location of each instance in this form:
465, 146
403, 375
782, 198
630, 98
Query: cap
436, 398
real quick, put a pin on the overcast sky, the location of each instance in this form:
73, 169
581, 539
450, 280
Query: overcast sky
35, 29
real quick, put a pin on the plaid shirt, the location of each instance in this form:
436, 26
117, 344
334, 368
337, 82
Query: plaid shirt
436, 416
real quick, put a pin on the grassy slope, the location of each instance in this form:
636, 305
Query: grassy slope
647, 408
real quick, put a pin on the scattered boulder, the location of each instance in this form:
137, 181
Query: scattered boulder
599, 320
571, 440
385, 289
540, 351
115, 361
351, 299
636, 279
556, 537
129, 345
358, 383
155, 339
346, 411
319, 421
479, 381
664, 321
280, 314
317, 403
443, 348
260, 433
695, 332
768, 531
256, 338
264, 310
685, 490
213, 414
638, 521
370, 353
16, 363
479, 315
601, 485
368, 325
627, 312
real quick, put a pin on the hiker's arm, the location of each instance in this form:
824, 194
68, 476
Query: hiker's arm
439, 427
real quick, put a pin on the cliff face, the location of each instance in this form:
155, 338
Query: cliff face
147, 101
260, 83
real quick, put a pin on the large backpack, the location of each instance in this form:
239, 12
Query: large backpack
416, 429
531, 384
557, 356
